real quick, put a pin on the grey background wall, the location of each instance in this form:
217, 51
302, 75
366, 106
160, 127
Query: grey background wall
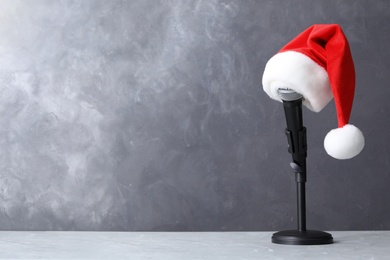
150, 115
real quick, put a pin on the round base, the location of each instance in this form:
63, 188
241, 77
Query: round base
307, 237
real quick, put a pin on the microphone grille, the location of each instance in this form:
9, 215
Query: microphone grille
287, 94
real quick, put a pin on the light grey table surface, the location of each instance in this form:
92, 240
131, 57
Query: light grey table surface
186, 245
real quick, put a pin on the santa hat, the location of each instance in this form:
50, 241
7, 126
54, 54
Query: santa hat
318, 65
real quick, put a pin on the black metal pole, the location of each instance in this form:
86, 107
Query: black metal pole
301, 198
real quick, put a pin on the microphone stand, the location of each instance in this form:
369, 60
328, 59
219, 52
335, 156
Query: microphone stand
297, 146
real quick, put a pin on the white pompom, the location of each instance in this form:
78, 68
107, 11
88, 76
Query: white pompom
344, 142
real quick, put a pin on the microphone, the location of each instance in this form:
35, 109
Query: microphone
297, 146
295, 131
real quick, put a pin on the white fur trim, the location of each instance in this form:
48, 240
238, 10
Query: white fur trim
344, 142
297, 71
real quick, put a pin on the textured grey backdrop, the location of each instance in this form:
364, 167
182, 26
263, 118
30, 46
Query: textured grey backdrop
150, 115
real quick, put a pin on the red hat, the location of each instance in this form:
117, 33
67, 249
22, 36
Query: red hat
318, 65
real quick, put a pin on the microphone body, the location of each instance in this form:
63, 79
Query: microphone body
295, 131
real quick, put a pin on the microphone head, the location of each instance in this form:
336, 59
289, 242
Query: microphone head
287, 94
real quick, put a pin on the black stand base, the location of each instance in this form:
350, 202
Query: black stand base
307, 237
